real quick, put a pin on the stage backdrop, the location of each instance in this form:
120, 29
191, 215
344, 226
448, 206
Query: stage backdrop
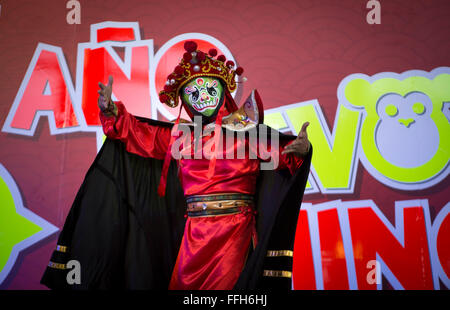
371, 77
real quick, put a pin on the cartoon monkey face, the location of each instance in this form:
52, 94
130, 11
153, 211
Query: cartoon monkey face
405, 110
405, 135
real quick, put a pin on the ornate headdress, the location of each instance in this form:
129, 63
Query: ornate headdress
196, 63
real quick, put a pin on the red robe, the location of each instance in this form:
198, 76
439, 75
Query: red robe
214, 249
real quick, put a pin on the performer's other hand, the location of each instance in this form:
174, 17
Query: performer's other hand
300, 146
104, 99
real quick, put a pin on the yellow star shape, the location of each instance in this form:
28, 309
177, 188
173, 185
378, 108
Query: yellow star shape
19, 227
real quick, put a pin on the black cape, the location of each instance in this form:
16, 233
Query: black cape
127, 237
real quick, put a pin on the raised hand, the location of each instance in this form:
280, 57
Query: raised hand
105, 103
300, 146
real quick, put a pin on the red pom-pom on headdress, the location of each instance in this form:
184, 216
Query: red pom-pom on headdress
190, 46
212, 52
230, 64
187, 56
221, 58
163, 98
168, 88
201, 56
239, 70
179, 70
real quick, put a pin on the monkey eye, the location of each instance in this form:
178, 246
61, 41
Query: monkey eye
418, 108
391, 110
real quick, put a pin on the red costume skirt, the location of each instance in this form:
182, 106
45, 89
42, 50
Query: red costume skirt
213, 251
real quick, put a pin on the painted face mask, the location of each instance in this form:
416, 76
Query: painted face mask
203, 95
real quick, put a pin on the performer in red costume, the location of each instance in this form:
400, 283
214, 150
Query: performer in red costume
219, 189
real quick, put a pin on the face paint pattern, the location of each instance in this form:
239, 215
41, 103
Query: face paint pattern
203, 94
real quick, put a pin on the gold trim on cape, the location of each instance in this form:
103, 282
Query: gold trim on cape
273, 253
277, 273
61, 248
56, 265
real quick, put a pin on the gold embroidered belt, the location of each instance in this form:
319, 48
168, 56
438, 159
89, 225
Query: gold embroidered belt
218, 204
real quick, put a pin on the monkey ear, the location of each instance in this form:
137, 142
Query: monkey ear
357, 93
441, 81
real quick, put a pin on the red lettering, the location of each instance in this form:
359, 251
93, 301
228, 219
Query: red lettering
115, 34
443, 245
46, 91
334, 268
133, 91
303, 265
410, 263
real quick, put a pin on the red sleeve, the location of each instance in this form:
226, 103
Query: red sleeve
281, 161
140, 138
289, 161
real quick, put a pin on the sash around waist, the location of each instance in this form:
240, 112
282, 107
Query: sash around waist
218, 202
